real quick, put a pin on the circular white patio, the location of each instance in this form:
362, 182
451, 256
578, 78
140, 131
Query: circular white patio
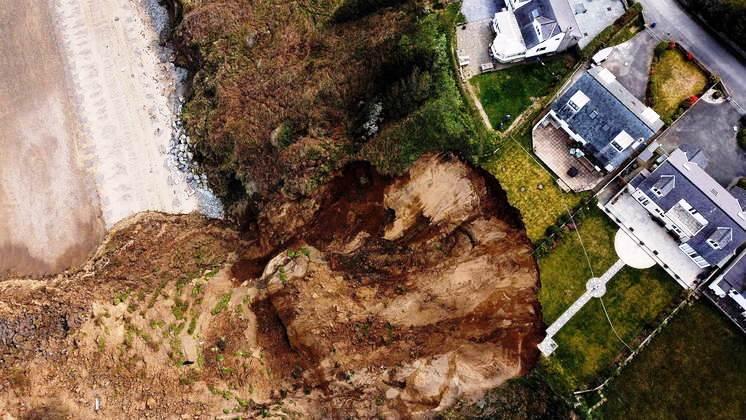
630, 251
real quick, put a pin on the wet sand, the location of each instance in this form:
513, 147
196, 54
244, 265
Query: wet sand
49, 211
86, 115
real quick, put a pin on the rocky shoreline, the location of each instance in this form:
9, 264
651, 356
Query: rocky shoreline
180, 155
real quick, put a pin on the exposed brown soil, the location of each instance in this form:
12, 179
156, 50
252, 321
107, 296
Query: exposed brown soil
379, 297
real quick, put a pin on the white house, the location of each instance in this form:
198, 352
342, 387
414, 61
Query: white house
529, 28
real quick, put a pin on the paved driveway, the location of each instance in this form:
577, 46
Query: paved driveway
673, 22
630, 63
593, 16
710, 128
475, 10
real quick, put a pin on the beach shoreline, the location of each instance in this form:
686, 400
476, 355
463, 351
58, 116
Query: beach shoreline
108, 99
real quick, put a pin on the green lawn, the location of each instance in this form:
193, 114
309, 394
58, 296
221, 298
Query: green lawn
587, 344
695, 369
511, 91
673, 80
565, 270
530, 188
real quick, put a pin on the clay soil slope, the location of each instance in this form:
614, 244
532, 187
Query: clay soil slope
378, 297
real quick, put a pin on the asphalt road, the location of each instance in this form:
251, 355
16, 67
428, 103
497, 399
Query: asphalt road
672, 21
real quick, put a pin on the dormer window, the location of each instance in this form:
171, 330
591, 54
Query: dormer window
578, 101
720, 238
622, 141
664, 185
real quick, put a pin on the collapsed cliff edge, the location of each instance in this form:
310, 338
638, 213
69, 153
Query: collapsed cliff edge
378, 296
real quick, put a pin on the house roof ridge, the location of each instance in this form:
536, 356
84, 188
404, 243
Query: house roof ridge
628, 102
726, 202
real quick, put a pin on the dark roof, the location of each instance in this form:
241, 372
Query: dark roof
544, 12
601, 120
734, 278
712, 201
740, 195
695, 155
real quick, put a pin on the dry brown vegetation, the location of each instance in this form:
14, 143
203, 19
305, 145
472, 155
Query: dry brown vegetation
278, 86
282, 91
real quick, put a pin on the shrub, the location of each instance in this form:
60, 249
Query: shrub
661, 48
355, 9
742, 138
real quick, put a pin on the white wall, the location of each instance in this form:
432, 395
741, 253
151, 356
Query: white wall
549, 46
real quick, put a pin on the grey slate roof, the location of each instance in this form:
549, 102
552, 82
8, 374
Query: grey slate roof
710, 199
555, 16
734, 277
603, 118
565, 17
695, 155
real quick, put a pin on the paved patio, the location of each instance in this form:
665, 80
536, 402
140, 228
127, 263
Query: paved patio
630, 251
653, 238
594, 16
473, 40
552, 146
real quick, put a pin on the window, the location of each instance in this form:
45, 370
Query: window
593, 115
541, 49
713, 244
700, 262
689, 251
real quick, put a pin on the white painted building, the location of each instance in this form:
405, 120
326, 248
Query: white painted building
529, 28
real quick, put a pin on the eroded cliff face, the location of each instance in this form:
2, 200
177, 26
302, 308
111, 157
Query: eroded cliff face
377, 297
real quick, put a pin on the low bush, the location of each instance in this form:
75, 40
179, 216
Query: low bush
725, 16
355, 9
742, 138
602, 40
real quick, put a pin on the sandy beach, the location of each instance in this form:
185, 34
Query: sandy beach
122, 91
86, 115
49, 212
